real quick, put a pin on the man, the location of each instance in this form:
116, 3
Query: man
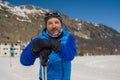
55, 43
11, 52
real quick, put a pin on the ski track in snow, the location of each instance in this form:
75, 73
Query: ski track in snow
83, 68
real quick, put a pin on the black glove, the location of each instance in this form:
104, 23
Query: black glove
44, 56
40, 44
55, 45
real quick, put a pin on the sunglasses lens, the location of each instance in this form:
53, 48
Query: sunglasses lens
55, 14
52, 14
47, 14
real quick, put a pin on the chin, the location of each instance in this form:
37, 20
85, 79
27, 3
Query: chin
55, 33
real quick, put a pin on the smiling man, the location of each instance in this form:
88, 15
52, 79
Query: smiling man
54, 43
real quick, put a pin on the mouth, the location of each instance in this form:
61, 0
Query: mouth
54, 31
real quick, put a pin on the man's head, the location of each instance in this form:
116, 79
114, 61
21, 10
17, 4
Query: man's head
53, 22
52, 14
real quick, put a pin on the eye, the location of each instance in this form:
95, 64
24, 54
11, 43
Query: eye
49, 23
57, 22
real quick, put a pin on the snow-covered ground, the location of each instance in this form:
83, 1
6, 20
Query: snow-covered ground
83, 68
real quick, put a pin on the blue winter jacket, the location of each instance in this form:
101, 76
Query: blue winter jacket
59, 66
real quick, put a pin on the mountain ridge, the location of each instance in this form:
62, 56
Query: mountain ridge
26, 22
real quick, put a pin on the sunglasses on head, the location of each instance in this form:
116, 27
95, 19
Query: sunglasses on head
52, 14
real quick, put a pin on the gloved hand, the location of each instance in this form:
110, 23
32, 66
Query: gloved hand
44, 56
55, 45
40, 44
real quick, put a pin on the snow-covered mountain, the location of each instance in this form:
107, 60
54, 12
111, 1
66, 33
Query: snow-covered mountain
22, 11
26, 21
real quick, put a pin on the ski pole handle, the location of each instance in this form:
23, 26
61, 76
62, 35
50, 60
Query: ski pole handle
44, 62
44, 56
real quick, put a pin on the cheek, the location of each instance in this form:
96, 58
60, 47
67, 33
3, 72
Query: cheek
59, 27
49, 28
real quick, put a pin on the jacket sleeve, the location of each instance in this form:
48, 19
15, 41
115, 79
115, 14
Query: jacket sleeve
68, 50
26, 57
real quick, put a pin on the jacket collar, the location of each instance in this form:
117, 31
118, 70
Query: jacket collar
44, 33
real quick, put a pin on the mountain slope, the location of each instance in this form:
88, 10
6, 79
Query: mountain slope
26, 22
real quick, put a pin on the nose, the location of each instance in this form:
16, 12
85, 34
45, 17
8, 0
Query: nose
53, 25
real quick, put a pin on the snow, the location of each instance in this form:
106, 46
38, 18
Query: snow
23, 12
23, 20
83, 68
96, 24
96, 68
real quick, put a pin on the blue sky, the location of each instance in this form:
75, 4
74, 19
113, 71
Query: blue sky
106, 12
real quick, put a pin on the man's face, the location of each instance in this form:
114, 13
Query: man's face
53, 26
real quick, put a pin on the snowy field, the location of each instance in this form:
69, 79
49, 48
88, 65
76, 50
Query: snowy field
83, 68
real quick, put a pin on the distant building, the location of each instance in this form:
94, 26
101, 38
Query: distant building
6, 44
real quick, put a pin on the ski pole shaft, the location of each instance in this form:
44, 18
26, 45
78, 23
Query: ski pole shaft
44, 63
44, 72
44, 60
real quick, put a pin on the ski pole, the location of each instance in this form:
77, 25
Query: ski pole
44, 72
44, 63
